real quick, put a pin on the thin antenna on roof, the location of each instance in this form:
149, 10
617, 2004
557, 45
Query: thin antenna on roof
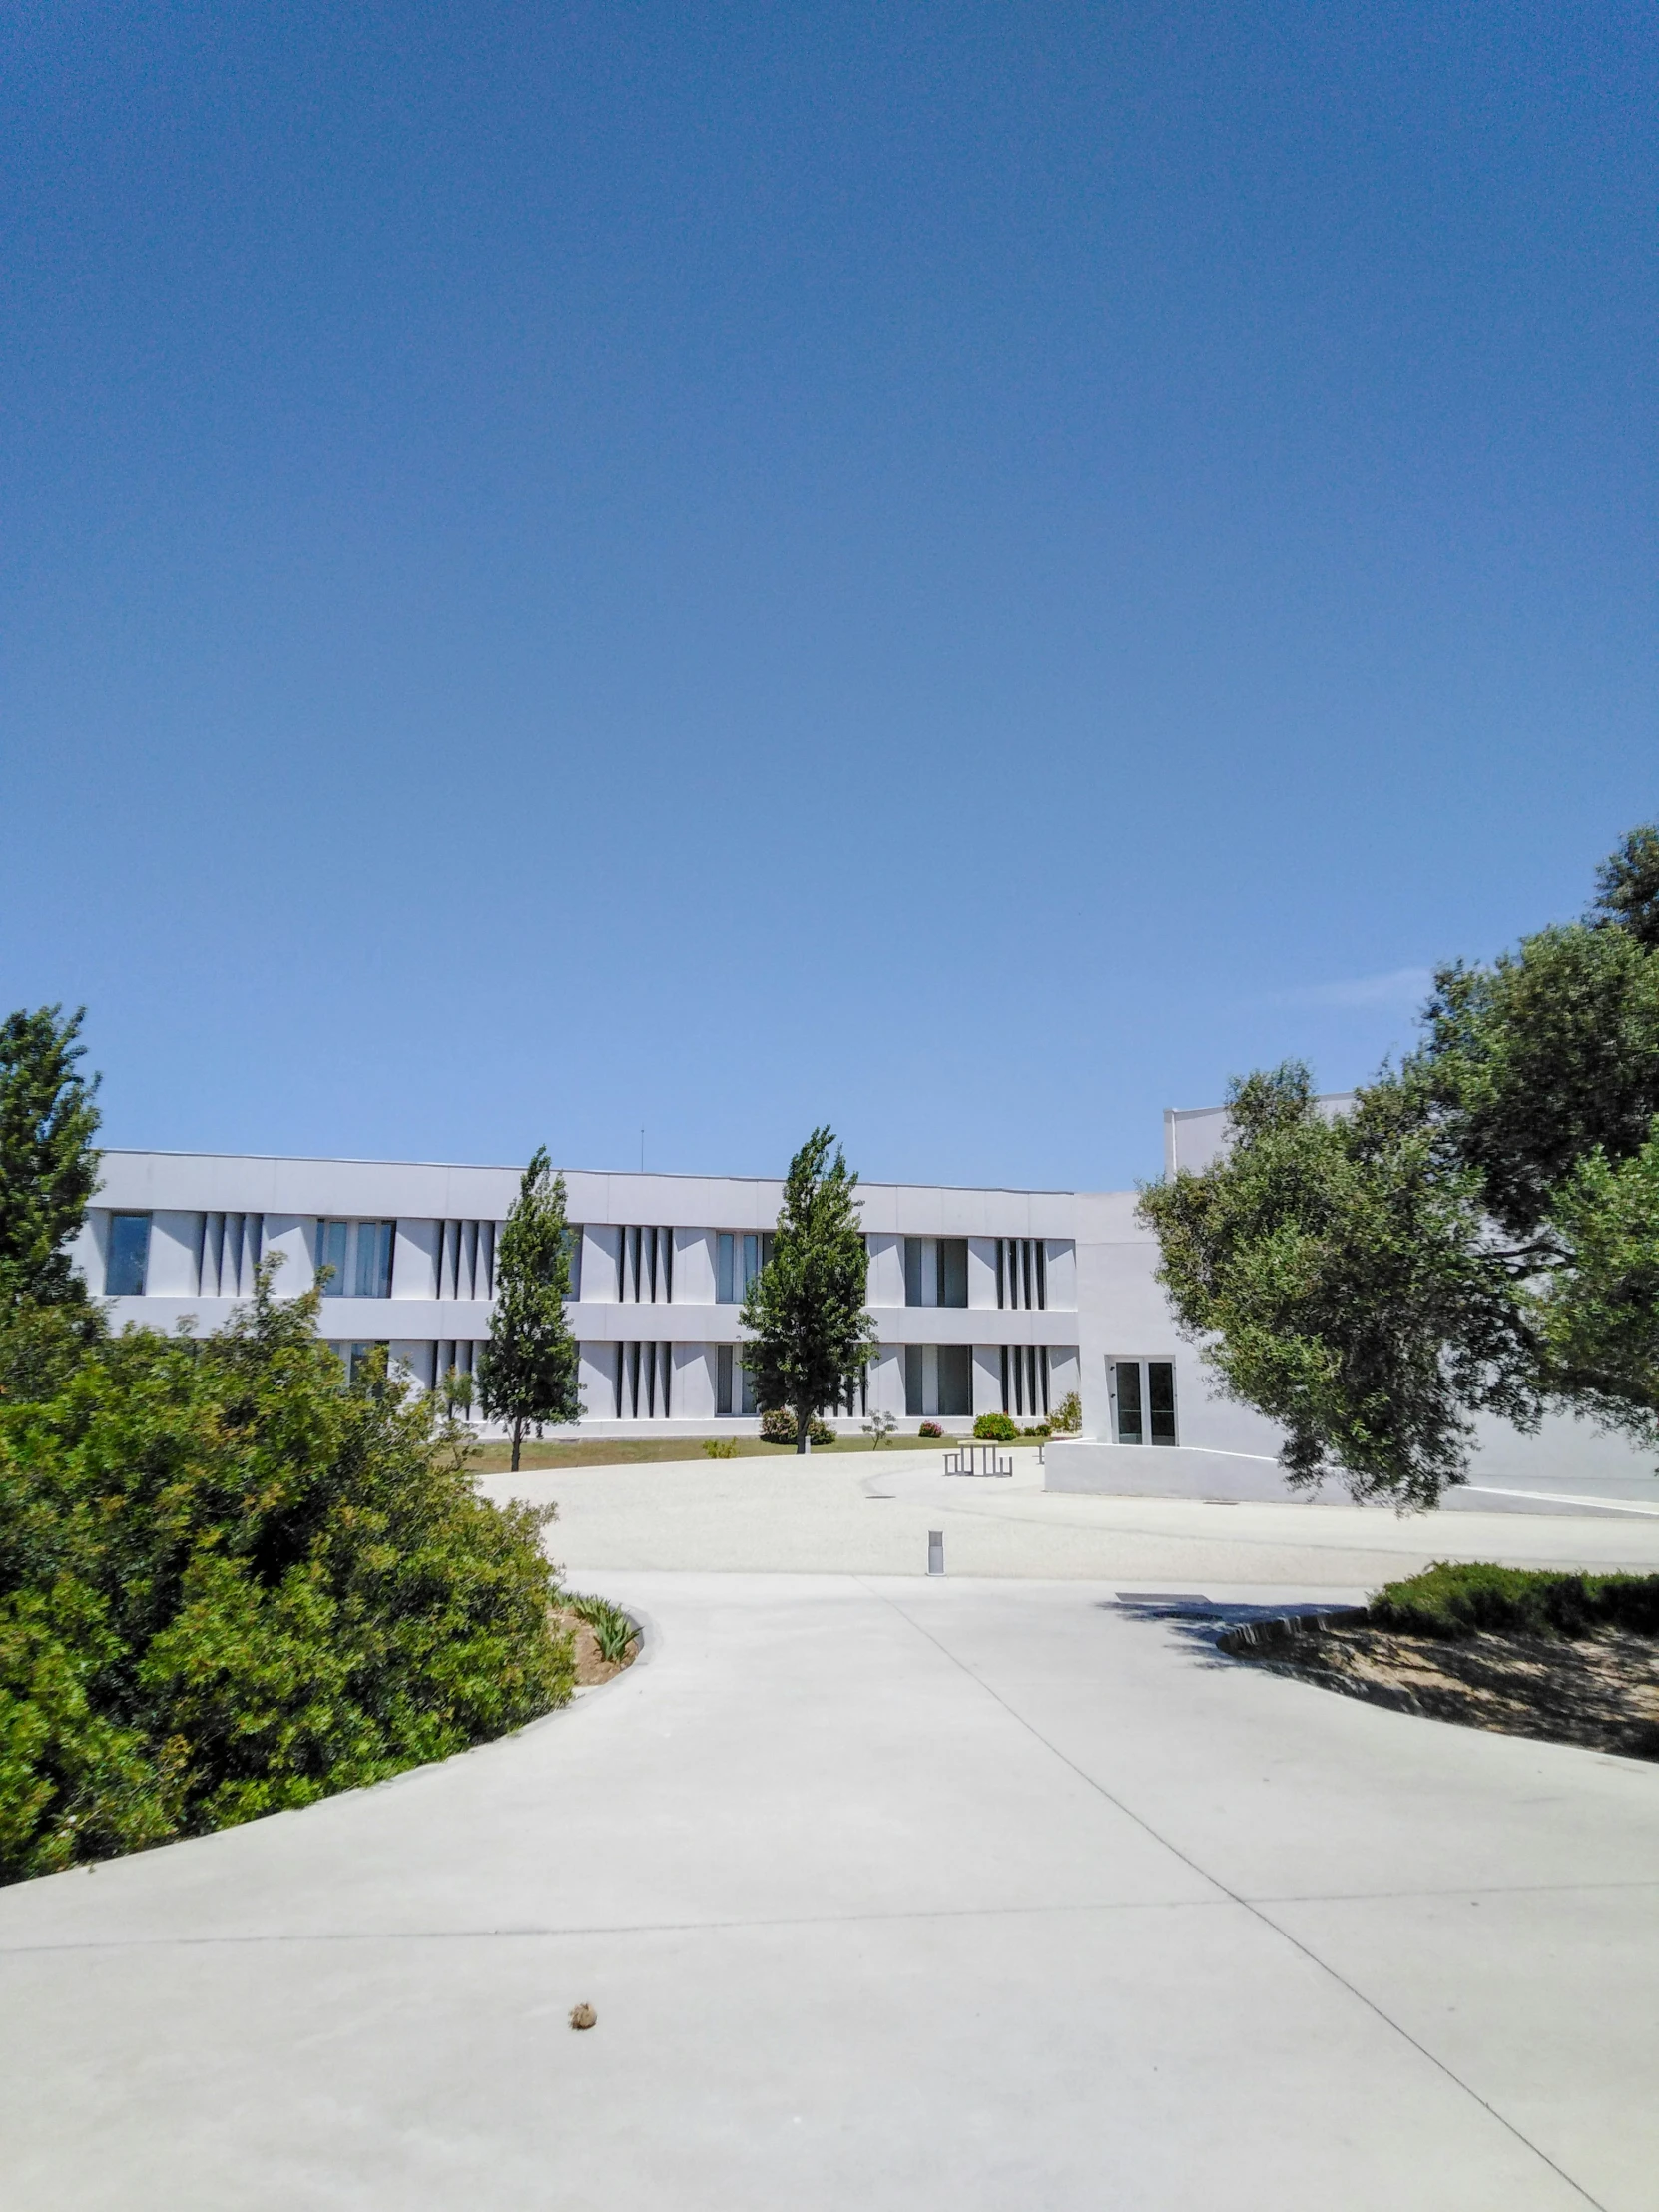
642, 1151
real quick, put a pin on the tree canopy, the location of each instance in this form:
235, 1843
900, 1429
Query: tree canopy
1480, 1235
527, 1372
808, 1335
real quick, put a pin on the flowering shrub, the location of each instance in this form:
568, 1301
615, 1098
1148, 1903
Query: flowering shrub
929, 1429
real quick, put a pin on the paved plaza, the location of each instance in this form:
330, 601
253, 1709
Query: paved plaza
1001, 1890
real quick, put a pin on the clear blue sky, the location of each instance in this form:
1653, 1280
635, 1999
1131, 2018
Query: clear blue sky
965, 571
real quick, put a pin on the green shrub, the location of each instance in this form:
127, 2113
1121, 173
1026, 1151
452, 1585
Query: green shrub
232, 1581
613, 1632
1067, 1418
719, 1447
778, 1427
996, 1428
1455, 1601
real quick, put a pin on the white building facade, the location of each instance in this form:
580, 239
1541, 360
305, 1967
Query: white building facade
984, 1301
974, 1294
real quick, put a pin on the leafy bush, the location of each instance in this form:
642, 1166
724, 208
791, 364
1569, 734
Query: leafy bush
719, 1447
1458, 1601
879, 1428
232, 1581
996, 1428
929, 1429
1067, 1418
778, 1427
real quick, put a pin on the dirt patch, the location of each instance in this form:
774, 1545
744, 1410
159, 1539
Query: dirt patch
1600, 1690
590, 1667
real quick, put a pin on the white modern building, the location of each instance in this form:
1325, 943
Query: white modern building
983, 1299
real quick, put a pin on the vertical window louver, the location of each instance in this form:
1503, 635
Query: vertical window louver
643, 1382
466, 1259
231, 1249
647, 1267
1022, 1273
1026, 1380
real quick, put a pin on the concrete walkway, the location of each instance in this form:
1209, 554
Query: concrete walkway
869, 1514
894, 1894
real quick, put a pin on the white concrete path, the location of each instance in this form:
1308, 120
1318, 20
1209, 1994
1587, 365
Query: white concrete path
869, 1514
889, 1894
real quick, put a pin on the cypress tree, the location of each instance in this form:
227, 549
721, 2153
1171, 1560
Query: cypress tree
48, 1165
809, 1338
527, 1371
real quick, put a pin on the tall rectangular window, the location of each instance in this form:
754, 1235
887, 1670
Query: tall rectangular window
738, 1258
1130, 1424
127, 1261
935, 1271
1142, 1401
573, 1252
372, 1275
330, 1254
734, 1393
938, 1379
358, 1256
1159, 1400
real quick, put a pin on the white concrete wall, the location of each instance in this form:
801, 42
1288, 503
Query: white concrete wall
988, 1378
693, 1266
174, 1237
414, 1258
886, 1269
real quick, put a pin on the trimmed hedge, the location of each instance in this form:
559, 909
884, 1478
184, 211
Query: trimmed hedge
232, 1581
1458, 1601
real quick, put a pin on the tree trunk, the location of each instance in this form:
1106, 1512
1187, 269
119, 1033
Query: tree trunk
802, 1432
518, 1432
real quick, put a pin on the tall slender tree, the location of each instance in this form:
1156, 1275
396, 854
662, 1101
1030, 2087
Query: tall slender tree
809, 1338
48, 1164
527, 1371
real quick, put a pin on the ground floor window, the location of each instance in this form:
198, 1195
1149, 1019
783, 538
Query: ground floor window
938, 1379
734, 1393
1025, 1379
854, 1396
1142, 1401
354, 1353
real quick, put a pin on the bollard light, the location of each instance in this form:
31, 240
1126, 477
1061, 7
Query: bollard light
935, 1551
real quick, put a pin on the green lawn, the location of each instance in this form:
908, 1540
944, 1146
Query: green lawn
493, 1458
